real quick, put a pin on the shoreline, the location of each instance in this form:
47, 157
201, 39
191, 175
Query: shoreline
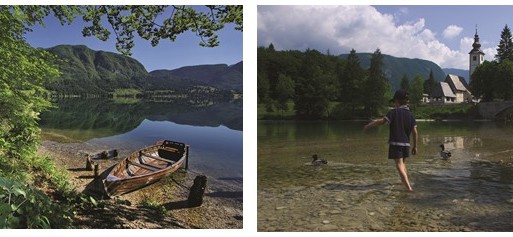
161, 205
367, 120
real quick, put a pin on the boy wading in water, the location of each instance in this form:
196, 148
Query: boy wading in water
402, 124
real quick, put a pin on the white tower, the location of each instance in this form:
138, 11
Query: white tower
476, 55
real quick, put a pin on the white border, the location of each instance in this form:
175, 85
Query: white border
250, 110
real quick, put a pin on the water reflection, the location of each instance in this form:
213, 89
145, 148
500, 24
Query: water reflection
84, 119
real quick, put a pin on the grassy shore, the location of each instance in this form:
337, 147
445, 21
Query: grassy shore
337, 111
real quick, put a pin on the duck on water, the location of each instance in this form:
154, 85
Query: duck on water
444, 154
316, 161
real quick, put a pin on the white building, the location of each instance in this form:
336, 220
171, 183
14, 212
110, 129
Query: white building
454, 89
476, 56
459, 87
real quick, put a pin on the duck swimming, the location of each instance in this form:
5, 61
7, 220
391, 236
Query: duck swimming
444, 154
317, 161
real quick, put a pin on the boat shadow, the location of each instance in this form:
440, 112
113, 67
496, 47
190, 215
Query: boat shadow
177, 205
95, 188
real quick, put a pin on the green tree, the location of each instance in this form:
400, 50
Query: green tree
271, 47
313, 96
505, 46
262, 87
417, 89
350, 79
504, 82
317, 85
429, 84
405, 83
23, 71
285, 90
484, 83
375, 85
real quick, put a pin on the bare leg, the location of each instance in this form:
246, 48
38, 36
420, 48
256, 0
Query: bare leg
401, 168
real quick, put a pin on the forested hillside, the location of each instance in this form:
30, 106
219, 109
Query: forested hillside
86, 71
395, 68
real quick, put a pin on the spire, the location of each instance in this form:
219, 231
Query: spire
476, 45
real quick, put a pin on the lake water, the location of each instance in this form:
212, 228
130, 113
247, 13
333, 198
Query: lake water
214, 133
359, 189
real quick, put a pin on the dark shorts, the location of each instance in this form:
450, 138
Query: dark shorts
397, 152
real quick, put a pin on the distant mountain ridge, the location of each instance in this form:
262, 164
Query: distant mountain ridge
98, 72
395, 68
216, 75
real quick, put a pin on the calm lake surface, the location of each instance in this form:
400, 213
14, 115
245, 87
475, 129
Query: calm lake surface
360, 190
214, 132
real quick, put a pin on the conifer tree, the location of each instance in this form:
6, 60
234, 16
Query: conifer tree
350, 80
429, 84
375, 85
505, 47
405, 83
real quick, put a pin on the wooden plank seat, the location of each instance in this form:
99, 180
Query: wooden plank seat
144, 166
156, 157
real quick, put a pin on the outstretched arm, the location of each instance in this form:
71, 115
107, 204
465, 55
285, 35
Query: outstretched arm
415, 138
375, 123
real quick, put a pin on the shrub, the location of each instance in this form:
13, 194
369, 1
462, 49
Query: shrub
22, 206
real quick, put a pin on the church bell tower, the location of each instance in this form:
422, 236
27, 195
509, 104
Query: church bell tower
476, 55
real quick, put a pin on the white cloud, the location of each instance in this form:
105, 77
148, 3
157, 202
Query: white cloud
340, 28
452, 31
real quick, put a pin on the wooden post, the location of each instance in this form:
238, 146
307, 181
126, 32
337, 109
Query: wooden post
96, 170
89, 163
187, 157
197, 191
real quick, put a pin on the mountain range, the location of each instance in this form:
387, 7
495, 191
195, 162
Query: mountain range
395, 68
98, 72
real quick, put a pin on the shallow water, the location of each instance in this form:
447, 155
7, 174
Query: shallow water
359, 189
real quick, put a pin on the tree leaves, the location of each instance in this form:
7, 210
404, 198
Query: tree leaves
155, 23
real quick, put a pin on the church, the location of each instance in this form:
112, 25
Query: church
454, 89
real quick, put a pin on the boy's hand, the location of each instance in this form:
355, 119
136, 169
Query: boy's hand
414, 150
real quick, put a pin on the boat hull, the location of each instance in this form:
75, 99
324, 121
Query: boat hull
145, 167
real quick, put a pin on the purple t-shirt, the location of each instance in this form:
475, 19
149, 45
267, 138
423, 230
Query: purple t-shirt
401, 123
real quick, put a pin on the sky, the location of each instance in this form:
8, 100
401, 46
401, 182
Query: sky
185, 51
442, 34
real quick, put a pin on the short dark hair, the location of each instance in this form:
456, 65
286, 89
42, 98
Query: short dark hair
401, 96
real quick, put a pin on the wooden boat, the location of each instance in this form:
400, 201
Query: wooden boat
146, 166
